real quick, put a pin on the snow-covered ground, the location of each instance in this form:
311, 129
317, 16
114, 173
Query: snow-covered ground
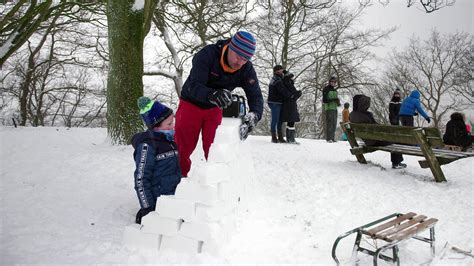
67, 195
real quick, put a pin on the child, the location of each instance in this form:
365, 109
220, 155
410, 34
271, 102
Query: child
345, 118
345, 113
156, 156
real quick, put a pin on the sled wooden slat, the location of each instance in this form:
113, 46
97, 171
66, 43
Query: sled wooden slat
413, 230
372, 232
398, 228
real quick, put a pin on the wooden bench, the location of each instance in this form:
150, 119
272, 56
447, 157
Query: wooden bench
416, 141
390, 230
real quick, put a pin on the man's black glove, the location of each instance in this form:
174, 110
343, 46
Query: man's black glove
220, 98
297, 95
428, 120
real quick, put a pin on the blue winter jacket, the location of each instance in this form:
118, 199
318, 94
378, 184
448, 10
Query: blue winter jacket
412, 104
207, 75
157, 169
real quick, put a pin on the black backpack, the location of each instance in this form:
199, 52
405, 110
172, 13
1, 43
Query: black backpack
237, 108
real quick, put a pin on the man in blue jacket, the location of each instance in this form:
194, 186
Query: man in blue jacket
410, 107
217, 69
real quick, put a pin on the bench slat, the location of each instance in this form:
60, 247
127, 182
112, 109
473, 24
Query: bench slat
400, 227
413, 230
388, 224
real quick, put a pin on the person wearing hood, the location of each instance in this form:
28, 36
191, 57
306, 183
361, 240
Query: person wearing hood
411, 106
216, 70
360, 114
456, 132
157, 169
289, 110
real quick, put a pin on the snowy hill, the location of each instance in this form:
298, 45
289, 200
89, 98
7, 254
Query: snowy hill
66, 196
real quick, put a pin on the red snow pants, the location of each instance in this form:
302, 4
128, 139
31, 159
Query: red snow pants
190, 121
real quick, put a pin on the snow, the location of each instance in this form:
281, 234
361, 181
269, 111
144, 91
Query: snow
67, 196
138, 5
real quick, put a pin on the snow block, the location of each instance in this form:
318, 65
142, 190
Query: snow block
203, 231
181, 244
223, 153
153, 223
229, 192
228, 131
134, 238
212, 213
171, 207
194, 191
212, 173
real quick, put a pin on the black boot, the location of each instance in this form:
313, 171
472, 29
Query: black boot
290, 135
274, 137
280, 136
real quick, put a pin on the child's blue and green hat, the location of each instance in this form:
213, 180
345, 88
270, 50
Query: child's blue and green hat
152, 112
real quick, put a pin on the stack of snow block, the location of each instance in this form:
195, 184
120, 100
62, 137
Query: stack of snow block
202, 214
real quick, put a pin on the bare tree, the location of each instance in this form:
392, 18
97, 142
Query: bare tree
440, 67
185, 27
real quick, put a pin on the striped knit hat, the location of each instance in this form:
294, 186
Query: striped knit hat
152, 113
243, 43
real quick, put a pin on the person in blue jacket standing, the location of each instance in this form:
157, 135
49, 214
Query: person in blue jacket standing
411, 106
157, 169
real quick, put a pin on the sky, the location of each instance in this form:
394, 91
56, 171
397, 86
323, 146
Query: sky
67, 196
414, 21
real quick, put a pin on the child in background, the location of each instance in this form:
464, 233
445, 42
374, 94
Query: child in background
345, 118
345, 113
156, 156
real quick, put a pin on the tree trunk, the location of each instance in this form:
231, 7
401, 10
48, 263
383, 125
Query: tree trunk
124, 82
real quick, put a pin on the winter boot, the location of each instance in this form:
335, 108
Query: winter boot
280, 136
274, 137
290, 135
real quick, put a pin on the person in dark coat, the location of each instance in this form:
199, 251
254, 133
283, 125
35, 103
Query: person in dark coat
289, 111
216, 70
394, 108
277, 93
360, 114
456, 132
157, 170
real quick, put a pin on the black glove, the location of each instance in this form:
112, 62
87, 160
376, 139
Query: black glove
251, 120
220, 98
297, 94
428, 120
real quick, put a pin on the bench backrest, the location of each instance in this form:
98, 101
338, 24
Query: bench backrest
396, 134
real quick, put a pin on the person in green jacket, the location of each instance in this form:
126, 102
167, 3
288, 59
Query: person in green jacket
330, 104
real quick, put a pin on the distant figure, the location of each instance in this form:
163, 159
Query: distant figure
410, 106
277, 94
345, 113
157, 170
456, 132
289, 110
363, 116
394, 108
330, 104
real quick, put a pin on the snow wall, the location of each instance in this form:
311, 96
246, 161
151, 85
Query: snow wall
202, 215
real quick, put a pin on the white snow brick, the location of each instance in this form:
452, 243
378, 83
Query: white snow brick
194, 191
134, 238
202, 231
212, 213
155, 224
181, 244
229, 192
212, 173
223, 153
171, 207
